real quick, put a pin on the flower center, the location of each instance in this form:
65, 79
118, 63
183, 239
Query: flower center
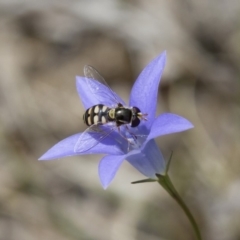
133, 138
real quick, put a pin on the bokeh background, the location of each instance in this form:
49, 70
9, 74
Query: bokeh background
45, 44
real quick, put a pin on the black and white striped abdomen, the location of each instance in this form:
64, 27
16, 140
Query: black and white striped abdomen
96, 114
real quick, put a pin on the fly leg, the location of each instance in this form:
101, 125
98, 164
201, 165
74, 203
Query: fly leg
119, 131
131, 133
130, 143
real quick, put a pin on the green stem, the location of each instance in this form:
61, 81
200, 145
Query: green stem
166, 183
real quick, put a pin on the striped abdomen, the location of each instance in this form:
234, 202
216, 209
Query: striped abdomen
96, 114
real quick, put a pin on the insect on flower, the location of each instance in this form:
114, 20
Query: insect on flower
126, 137
102, 120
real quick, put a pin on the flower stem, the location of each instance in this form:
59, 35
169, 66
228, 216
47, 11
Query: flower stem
165, 181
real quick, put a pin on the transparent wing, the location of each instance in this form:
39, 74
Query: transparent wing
92, 136
102, 91
107, 135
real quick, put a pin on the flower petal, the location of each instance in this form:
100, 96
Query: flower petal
108, 168
167, 123
65, 148
145, 90
149, 161
92, 92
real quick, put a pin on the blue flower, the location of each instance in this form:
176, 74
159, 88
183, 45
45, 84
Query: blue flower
143, 154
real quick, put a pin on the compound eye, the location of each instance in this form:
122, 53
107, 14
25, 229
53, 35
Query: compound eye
136, 110
135, 122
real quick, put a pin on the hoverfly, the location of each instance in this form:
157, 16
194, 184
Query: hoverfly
104, 120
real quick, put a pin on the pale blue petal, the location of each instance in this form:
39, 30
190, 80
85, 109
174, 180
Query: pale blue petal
65, 148
108, 168
149, 161
168, 123
145, 90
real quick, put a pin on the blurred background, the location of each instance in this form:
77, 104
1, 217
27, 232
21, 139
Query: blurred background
45, 44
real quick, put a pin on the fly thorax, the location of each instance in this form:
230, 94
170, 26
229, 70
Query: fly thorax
123, 115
